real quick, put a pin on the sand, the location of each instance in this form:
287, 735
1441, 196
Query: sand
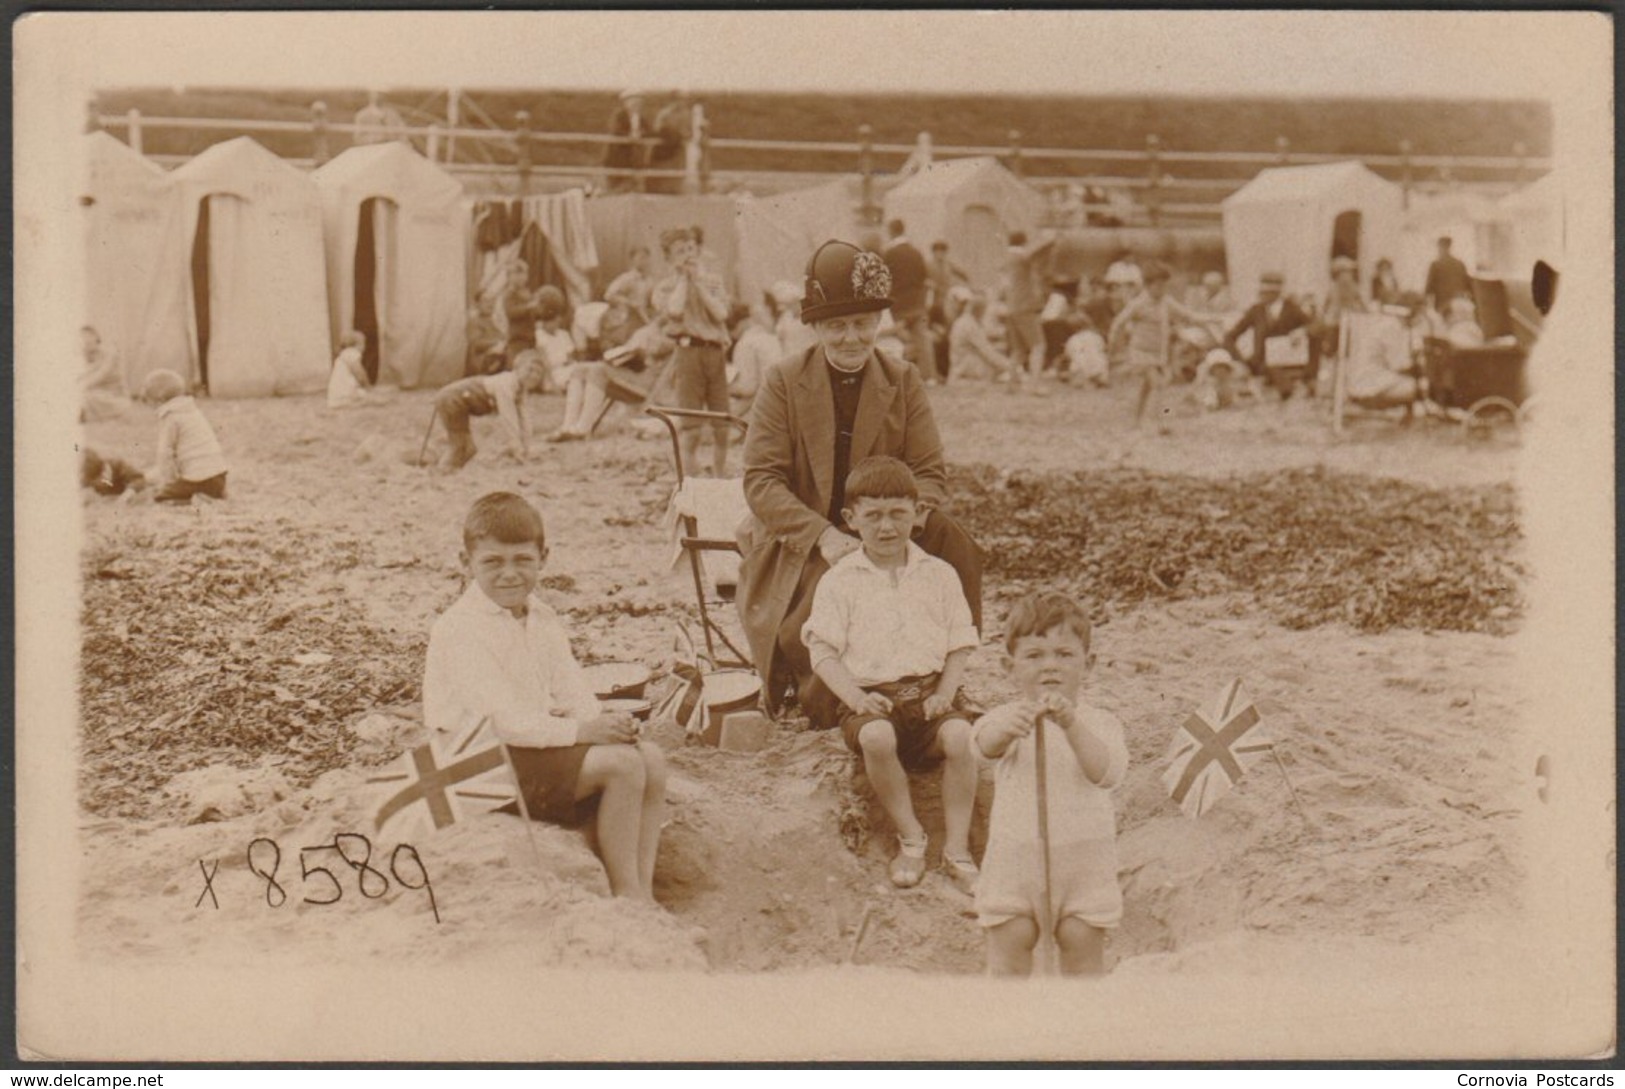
1400, 747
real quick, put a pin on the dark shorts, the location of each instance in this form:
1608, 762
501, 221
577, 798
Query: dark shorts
179, 491
916, 734
549, 779
702, 381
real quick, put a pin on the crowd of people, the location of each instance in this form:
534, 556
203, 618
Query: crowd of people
859, 594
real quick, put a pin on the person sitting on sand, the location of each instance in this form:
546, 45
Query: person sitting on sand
484, 394
500, 654
890, 634
190, 461
554, 343
101, 383
971, 353
755, 350
108, 476
347, 385
1047, 655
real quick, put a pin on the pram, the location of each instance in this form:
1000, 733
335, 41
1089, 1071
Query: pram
1486, 387
707, 511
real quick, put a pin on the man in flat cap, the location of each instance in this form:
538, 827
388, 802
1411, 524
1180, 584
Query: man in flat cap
1273, 315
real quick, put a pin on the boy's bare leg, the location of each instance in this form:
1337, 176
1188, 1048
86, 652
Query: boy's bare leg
719, 449
1010, 947
616, 772
879, 741
1083, 947
958, 786
654, 813
1144, 401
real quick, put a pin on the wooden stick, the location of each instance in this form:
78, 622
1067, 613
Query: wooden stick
524, 810
863, 928
1046, 920
424, 449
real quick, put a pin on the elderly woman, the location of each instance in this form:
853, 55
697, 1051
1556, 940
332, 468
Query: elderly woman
817, 415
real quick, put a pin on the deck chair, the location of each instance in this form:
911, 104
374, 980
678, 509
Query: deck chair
705, 513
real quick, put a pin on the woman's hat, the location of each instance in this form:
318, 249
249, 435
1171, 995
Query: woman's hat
842, 280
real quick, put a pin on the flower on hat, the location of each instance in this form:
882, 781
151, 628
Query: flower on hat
871, 279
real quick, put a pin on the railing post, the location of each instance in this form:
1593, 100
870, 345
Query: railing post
1521, 152
1406, 179
1016, 166
922, 148
319, 152
1153, 166
132, 122
433, 150
699, 146
1283, 151
522, 123
866, 168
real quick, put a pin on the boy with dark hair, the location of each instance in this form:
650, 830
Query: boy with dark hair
501, 655
482, 395
691, 305
1047, 655
889, 634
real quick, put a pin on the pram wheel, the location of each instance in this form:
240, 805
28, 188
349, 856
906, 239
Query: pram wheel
1490, 418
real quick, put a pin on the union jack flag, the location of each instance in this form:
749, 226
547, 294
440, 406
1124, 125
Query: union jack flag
1212, 751
446, 780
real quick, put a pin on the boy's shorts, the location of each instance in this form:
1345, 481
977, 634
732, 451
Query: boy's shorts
1083, 883
916, 734
702, 380
550, 779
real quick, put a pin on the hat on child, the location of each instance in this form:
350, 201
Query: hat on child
842, 280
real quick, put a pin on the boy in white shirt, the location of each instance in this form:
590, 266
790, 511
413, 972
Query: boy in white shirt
1047, 654
889, 634
500, 654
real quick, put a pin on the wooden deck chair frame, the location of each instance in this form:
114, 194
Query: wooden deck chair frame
694, 545
616, 393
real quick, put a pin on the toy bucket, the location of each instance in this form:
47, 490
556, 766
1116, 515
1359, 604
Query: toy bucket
726, 692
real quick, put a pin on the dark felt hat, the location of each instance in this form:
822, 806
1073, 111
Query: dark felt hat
842, 280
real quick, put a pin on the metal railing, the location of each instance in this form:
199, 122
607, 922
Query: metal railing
523, 160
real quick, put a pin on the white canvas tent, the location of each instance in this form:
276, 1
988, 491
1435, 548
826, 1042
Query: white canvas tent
396, 235
256, 303
1295, 219
135, 274
778, 234
1532, 225
971, 204
1466, 218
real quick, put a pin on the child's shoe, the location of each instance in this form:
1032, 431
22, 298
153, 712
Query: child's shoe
963, 872
908, 868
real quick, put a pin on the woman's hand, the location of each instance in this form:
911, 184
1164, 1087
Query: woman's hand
835, 545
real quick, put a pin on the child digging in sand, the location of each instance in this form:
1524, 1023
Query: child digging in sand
889, 634
1047, 655
190, 461
500, 654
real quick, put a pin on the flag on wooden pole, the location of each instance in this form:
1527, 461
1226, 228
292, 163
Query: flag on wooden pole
1213, 749
448, 779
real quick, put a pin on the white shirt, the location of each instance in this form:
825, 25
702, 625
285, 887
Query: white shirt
187, 448
1086, 354
756, 351
1079, 810
484, 662
885, 625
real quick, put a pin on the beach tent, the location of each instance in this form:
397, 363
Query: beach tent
1466, 218
971, 204
1295, 219
396, 233
624, 220
135, 272
1531, 225
777, 234
256, 301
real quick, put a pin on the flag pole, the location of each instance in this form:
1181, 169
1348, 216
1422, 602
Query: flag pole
1046, 921
524, 810
1276, 756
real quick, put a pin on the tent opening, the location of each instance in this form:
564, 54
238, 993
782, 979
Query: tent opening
200, 291
1346, 236
366, 283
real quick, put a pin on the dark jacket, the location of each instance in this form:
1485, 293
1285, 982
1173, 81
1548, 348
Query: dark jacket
909, 279
1257, 319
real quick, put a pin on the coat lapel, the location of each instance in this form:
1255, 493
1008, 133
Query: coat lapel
817, 431
874, 401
